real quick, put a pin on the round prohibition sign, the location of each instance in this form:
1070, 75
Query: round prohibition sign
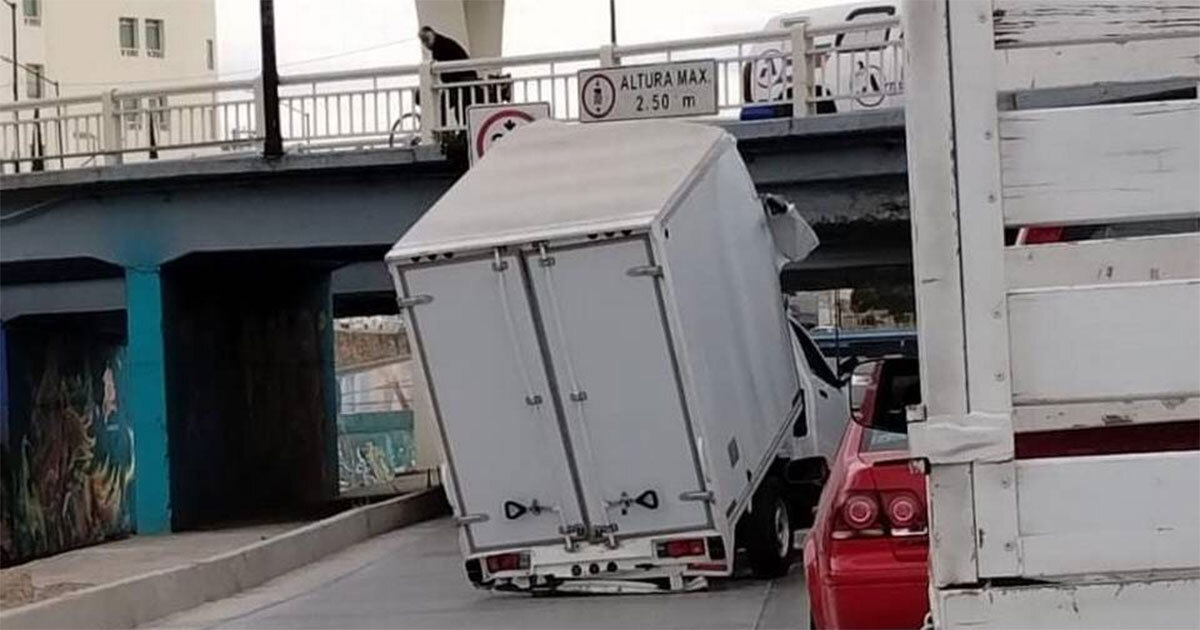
598, 95
505, 120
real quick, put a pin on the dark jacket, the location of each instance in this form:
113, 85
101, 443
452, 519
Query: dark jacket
446, 49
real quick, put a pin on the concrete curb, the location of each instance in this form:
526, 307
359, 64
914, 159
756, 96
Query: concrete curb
143, 598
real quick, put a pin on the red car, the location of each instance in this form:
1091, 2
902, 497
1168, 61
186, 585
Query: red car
866, 557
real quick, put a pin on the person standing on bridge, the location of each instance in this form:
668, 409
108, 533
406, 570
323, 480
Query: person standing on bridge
443, 48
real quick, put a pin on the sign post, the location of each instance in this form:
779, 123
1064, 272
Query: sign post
486, 124
683, 88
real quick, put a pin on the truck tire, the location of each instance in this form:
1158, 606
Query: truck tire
769, 531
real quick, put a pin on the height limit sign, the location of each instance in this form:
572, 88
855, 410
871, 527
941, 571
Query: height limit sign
684, 88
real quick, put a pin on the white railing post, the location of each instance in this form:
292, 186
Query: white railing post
801, 81
260, 107
110, 131
429, 108
608, 56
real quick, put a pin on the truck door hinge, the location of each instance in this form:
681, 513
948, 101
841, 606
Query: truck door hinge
607, 533
705, 496
470, 519
654, 271
572, 534
414, 300
498, 264
578, 396
544, 257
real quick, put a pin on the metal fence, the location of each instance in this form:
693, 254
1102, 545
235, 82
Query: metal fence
851, 66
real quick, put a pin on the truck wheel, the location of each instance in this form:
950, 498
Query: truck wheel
769, 535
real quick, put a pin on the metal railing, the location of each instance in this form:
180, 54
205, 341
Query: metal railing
850, 66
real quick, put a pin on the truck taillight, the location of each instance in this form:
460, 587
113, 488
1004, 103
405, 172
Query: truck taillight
679, 548
861, 511
508, 562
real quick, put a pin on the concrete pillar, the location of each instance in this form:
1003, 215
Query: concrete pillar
148, 401
476, 24
485, 26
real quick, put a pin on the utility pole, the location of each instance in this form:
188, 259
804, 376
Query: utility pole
12, 7
612, 22
273, 141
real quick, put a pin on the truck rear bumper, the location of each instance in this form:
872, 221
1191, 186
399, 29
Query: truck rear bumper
633, 566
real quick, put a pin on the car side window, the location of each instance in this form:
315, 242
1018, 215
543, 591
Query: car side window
814, 358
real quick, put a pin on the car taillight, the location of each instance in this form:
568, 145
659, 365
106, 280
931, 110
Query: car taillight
679, 548
903, 510
860, 511
508, 562
887, 513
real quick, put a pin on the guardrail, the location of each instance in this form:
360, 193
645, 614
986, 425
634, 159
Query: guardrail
849, 66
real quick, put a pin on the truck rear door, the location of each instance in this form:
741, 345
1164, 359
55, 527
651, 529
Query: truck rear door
492, 395
611, 352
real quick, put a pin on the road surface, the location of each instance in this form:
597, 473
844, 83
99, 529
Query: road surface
412, 578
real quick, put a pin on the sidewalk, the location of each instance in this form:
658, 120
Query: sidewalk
130, 583
100, 564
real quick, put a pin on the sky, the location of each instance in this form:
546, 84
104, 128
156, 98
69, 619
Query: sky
327, 35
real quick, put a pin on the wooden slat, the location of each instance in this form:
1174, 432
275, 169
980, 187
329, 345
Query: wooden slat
1168, 257
1055, 417
1109, 513
1041, 22
1063, 66
1101, 164
1133, 602
1106, 342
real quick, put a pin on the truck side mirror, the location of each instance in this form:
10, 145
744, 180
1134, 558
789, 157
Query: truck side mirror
846, 368
894, 385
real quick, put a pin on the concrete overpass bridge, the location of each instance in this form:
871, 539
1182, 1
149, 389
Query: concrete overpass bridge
158, 242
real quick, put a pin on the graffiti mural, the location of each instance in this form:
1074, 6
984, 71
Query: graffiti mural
375, 419
67, 456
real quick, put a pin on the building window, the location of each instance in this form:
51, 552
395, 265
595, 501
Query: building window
33, 12
129, 37
131, 113
208, 53
33, 79
154, 38
157, 106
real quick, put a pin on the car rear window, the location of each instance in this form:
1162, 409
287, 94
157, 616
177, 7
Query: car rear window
876, 440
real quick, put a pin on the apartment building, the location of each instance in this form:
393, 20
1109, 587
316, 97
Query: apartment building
75, 47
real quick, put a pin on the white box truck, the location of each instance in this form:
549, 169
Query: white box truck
597, 311
1060, 381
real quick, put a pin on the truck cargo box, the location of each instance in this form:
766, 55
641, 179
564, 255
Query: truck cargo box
598, 314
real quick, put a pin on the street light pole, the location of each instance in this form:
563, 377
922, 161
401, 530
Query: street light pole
612, 22
12, 7
273, 138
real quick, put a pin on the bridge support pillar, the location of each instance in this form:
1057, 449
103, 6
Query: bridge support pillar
476, 24
148, 400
